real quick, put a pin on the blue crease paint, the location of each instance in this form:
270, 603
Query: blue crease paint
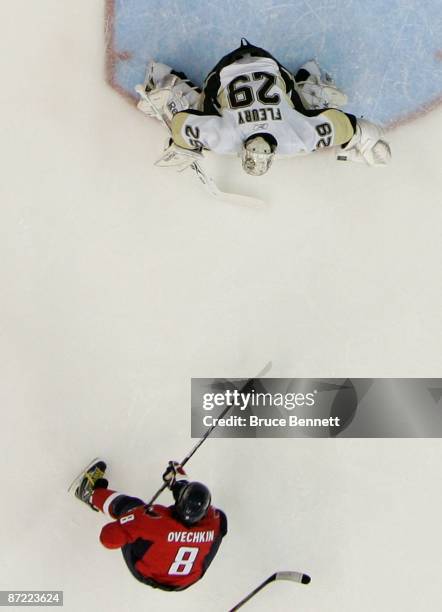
386, 55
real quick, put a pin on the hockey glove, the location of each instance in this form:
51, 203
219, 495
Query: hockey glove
317, 88
174, 472
179, 157
366, 146
165, 101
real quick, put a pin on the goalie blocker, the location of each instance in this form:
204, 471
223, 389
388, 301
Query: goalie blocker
366, 146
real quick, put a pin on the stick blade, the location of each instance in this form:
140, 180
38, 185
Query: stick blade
231, 198
290, 576
293, 577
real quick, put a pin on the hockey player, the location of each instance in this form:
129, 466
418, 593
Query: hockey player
252, 106
169, 548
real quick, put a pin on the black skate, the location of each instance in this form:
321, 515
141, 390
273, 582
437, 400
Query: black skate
91, 477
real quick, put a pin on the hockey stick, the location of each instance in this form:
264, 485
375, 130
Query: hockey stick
231, 198
206, 179
207, 434
292, 576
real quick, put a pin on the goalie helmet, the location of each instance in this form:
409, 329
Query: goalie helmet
258, 153
192, 503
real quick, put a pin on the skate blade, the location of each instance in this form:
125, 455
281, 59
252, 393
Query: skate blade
79, 477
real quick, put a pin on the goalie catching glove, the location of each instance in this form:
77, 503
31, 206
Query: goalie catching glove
366, 146
174, 472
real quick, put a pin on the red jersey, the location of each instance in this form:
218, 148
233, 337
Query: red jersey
164, 550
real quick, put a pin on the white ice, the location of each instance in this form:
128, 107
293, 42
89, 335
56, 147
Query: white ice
120, 281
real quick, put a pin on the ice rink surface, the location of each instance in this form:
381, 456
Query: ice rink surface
387, 56
120, 281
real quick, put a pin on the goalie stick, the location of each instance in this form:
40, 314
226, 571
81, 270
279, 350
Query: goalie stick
292, 576
231, 198
206, 179
207, 434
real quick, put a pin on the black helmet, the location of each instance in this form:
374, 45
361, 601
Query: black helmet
192, 503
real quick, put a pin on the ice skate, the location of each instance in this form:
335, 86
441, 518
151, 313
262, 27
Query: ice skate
87, 481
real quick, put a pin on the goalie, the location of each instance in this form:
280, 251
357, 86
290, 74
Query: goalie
253, 107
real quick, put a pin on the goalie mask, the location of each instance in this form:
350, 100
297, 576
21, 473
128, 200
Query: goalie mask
258, 153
